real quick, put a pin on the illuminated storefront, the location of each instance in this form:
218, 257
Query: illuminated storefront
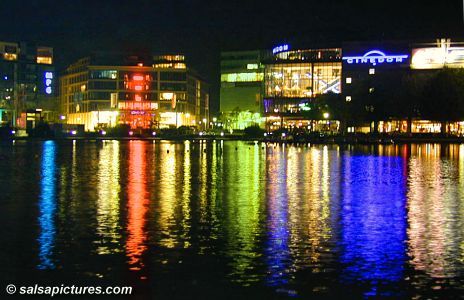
421, 127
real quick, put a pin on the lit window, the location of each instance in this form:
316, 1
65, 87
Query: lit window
10, 56
242, 77
348, 80
372, 71
252, 66
348, 98
44, 60
167, 96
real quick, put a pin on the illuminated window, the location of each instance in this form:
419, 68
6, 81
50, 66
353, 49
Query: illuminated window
302, 80
242, 77
348, 80
44, 55
170, 66
372, 71
348, 99
44, 60
10, 56
104, 74
252, 66
166, 96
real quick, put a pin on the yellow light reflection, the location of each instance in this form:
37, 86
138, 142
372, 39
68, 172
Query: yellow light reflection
108, 198
435, 233
187, 187
243, 168
167, 196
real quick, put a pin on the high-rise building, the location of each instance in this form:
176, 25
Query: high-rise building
241, 89
144, 92
27, 84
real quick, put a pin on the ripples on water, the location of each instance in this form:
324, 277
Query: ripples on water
209, 219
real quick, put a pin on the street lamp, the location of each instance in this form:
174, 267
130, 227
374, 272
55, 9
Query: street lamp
326, 115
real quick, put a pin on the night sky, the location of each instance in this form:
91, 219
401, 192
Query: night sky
201, 29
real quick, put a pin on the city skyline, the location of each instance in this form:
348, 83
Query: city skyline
202, 30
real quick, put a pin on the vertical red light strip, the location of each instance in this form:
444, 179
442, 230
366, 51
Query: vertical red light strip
137, 112
137, 205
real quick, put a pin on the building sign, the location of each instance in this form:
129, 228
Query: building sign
375, 57
137, 112
48, 80
437, 58
280, 48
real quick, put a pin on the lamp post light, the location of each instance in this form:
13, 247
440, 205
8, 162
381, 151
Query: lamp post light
326, 115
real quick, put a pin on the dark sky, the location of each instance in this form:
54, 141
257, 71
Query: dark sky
201, 29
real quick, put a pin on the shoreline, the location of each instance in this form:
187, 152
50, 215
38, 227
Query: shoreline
369, 140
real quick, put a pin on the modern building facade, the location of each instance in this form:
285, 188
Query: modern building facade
377, 86
381, 80
241, 91
144, 92
293, 81
27, 85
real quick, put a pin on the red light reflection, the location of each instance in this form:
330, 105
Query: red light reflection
137, 204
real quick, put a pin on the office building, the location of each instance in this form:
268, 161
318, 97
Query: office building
241, 90
142, 91
27, 84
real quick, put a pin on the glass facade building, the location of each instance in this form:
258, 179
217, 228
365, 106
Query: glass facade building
293, 79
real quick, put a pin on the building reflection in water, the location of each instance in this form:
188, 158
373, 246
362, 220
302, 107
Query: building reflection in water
299, 188
47, 206
108, 198
435, 206
168, 188
242, 202
373, 221
186, 191
277, 249
137, 197
314, 179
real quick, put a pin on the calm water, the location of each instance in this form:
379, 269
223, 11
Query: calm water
234, 219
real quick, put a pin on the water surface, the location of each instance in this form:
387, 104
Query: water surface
217, 219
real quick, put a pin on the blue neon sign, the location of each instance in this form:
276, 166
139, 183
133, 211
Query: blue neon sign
280, 48
375, 57
48, 80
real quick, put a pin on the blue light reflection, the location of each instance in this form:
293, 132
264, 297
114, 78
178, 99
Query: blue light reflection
47, 206
373, 220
